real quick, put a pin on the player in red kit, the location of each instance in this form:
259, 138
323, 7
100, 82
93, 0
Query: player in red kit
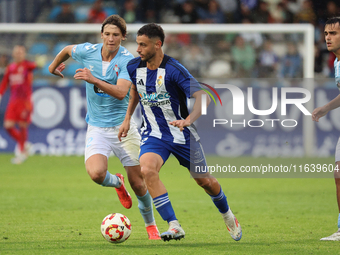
18, 77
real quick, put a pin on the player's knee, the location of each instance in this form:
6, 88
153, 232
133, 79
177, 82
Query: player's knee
148, 173
205, 183
96, 175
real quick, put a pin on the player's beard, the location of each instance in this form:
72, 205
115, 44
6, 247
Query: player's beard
149, 56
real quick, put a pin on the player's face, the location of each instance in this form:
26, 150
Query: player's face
332, 37
147, 47
19, 53
112, 38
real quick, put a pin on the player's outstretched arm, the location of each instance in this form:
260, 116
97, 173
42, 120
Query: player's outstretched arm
195, 113
323, 110
56, 67
118, 91
133, 101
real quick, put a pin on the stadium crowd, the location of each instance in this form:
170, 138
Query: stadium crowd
243, 55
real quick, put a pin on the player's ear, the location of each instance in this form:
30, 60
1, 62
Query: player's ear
158, 44
101, 35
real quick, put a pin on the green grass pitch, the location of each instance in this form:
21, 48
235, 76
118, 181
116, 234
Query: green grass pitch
49, 205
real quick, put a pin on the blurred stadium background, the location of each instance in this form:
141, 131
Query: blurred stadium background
257, 59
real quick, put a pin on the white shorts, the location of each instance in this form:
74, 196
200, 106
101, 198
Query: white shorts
105, 140
337, 151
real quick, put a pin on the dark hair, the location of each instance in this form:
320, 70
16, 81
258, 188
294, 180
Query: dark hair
152, 30
117, 21
333, 20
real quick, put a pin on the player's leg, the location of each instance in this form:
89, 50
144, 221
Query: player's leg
151, 164
97, 151
336, 235
144, 200
127, 150
186, 154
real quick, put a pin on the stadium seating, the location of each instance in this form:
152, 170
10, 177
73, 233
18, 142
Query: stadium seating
38, 48
41, 82
58, 47
71, 68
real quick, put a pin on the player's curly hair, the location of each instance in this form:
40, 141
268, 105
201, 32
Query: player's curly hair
117, 21
333, 20
152, 30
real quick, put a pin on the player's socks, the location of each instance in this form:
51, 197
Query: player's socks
14, 133
23, 138
111, 180
164, 207
145, 208
220, 201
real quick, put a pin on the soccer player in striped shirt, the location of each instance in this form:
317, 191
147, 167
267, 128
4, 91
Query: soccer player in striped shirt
163, 86
18, 77
107, 93
332, 37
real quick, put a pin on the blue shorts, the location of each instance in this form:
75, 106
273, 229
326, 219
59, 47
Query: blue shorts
188, 155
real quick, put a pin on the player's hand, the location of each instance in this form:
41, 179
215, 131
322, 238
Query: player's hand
58, 70
123, 130
84, 74
181, 124
318, 113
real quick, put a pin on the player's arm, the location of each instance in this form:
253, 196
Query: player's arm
133, 101
57, 65
195, 113
323, 110
4, 83
118, 91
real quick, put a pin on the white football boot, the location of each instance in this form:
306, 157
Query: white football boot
233, 225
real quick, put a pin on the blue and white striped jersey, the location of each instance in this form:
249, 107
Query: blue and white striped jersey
163, 97
103, 110
337, 72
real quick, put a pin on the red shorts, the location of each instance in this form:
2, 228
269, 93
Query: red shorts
19, 111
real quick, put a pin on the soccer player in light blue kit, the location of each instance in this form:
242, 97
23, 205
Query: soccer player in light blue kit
107, 95
163, 86
332, 37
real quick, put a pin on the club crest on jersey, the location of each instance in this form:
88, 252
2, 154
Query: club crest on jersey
159, 81
116, 69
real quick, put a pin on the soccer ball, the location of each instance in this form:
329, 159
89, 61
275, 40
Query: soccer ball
116, 228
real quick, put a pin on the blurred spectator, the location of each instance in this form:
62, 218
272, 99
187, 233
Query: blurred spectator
261, 14
97, 13
243, 56
211, 15
254, 38
4, 60
186, 12
268, 61
66, 15
331, 10
149, 11
291, 63
230, 9
195, 60
307, 14
247, 6
129, 11
172, 47
281, 14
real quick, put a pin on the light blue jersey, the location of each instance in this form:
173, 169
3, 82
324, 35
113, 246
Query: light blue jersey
337, 72
103, 110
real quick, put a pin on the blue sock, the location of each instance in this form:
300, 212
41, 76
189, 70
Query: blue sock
220, 202
145, 207
110, 180
339, 221
164, 207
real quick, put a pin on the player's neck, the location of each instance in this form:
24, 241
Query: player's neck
337, 54
108, 56
155, 62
